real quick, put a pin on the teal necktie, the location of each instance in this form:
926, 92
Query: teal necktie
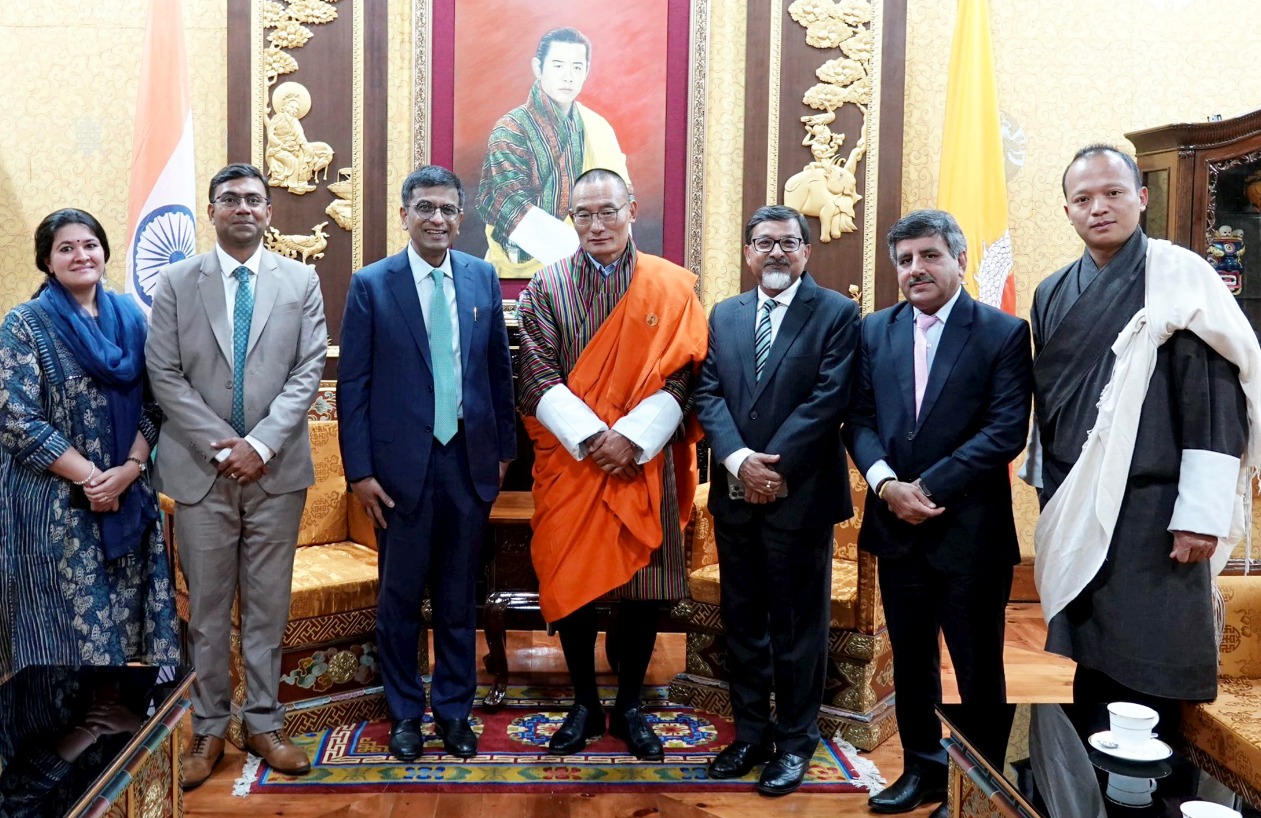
242, 314
445, 422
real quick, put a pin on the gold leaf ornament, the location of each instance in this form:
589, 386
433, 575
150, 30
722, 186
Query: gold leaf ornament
312, 11
289, 34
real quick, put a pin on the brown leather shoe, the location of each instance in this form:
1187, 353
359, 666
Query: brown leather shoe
199, 762
280, 753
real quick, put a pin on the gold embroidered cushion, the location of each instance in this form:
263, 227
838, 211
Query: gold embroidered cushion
1241, 637
1229, 729
324, 516
333, 578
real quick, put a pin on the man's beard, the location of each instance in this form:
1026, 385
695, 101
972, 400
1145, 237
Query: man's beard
776, 279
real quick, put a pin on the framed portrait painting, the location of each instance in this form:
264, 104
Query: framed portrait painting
525, 95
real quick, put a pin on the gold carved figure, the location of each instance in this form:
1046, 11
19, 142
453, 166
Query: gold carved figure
827, 187
292, 161
299, 247
342, 211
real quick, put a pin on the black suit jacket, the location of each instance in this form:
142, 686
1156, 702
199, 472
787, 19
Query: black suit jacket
795, 410
973, 422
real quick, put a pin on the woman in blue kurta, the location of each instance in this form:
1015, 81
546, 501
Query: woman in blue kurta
84, 576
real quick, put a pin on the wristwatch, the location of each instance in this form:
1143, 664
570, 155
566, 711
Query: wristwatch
140, 464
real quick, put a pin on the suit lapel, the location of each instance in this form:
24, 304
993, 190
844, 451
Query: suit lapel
266, 290
465, 297
953, 339
212, 297
901, 341
746, 314
403, 286
798, 313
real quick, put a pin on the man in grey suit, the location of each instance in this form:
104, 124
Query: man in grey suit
771, 397
235, 351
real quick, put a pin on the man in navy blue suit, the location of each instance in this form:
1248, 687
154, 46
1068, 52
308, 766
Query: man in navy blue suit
424, 356
940, 408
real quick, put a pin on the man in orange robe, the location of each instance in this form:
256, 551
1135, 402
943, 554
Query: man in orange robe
611, 339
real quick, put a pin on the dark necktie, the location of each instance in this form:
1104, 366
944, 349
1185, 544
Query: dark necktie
762, 338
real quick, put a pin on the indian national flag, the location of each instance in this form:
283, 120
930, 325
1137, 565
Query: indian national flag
161, 224
972, 183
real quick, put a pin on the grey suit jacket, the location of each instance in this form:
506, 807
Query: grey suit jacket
189, 357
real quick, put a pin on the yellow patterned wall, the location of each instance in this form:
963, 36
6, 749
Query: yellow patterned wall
1069, 73
70, 72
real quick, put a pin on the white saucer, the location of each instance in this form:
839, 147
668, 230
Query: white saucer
1153, 750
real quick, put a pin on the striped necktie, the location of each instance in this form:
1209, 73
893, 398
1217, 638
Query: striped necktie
445, 422
242, 314
762, 338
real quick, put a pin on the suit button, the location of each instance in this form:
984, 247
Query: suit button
428, 428
227, 384
431, 390
753, 415
910, 436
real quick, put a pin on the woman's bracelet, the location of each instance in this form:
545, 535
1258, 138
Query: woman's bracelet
83, 729
85, 480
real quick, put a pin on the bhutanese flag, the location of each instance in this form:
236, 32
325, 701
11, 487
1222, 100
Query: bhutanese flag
973, 186
161, 224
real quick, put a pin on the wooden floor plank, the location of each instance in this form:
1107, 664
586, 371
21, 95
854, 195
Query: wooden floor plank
1032, 675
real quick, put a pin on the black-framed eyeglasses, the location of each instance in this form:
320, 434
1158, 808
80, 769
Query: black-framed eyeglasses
765, 244
425, 209
231, 201
606, 215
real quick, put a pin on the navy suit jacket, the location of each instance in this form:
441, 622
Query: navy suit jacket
795, 410
973, 421
385, 400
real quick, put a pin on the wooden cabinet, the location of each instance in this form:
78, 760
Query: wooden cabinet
1204, 188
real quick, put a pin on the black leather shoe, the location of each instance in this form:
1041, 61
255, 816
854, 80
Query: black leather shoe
458, 738
782, 774
630, 727
738, 759
941, 812
581, 724
406, 743
910, 790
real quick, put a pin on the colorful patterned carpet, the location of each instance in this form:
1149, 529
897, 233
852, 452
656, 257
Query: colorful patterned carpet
513, 756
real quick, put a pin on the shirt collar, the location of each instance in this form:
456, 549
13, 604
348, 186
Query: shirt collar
605, 270
421, 268
228, 265
942, 314
785, 298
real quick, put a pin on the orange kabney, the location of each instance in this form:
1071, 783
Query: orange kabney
592, 531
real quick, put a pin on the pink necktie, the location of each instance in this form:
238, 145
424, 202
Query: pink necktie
923, 322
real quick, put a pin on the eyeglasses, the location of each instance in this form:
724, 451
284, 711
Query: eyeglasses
582, 218
425, 209
765, 244
231, 201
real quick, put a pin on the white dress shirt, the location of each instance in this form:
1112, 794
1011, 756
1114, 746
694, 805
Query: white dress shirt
735, 460
880, 470
227, 266
424, 288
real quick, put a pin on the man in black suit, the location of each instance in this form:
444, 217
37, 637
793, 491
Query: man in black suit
771, 397
940, 408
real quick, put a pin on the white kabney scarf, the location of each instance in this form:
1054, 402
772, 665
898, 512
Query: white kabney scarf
1182, 293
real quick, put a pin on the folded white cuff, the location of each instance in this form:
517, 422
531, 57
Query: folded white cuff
567, 417
651, 424
1206, 493
735, 460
